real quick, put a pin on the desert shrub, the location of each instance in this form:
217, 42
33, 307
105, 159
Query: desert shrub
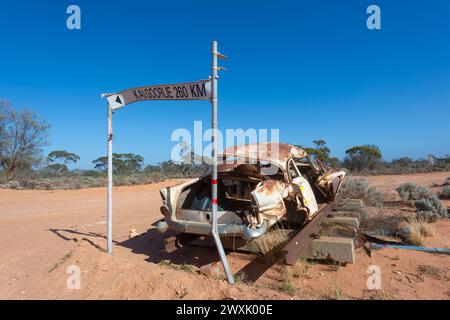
43, 184
431, 204
428, 205
383, 221
422, 192
74, 182
2, 177
121, 181
91, 173
133, 180
445, 194
433, 271
410, 191
445, 184
354, 188
358, 188
14, 185
373, 197
428, 216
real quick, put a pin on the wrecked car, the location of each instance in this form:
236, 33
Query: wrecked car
259, 185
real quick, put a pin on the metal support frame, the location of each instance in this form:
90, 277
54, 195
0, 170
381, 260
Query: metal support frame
110, 178
214, 181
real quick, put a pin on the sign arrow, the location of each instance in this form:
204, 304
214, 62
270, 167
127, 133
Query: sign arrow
116, 101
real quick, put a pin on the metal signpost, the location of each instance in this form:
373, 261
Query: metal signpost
200, 90
214, 181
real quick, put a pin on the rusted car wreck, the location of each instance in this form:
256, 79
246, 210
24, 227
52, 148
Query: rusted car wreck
259, 185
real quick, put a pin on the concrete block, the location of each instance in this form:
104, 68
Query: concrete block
346, 221
338, 231
350, 206
351, 200
352, 214
338, 249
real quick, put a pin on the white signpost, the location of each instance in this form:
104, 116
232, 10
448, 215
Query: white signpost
200, 90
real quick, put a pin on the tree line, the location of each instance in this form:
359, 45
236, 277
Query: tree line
23, 134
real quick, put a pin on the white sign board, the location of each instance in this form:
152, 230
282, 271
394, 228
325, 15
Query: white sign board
200, 90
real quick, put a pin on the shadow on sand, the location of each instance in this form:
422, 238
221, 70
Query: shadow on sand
151, 244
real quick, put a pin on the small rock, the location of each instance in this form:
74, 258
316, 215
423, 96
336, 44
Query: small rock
229, 297
210, 270
182, 292
132, 234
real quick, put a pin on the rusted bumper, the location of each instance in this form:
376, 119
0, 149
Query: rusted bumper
225, 230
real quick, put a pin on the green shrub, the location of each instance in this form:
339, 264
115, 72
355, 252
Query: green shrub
410, 191
427, 216
13, 185
373, 197
431, 204
358, 188
354, 188
445, 194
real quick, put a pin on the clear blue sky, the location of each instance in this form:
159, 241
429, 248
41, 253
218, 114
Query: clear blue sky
310, 68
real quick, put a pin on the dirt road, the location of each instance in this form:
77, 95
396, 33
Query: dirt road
42, 233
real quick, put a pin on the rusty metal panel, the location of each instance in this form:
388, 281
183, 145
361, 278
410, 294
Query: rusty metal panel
300, 243
175, 242
277, 153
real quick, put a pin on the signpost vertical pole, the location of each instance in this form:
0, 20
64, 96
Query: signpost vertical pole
214, 180
110, 178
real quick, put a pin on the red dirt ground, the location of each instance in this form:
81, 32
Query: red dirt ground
42, 233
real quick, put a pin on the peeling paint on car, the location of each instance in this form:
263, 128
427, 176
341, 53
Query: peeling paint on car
250, 202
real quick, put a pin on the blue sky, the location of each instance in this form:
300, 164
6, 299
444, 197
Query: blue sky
310, 68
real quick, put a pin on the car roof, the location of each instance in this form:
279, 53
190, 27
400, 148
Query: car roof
277, 153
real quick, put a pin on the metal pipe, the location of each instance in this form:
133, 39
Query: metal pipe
110, 177
214, 229
416, 248
162, 226
250, 233
245, 231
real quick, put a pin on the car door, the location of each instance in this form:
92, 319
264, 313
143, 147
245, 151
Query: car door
306, 197
329, 180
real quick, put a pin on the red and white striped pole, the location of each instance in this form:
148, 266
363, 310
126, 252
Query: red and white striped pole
214, 179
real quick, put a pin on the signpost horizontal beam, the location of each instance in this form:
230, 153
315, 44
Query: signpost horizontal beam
200, 90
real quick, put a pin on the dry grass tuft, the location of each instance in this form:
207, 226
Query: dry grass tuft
383, 221
61, 261
182, 267
286, 279
302, 269
433, 271
418, 230
241, 278
270, 244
